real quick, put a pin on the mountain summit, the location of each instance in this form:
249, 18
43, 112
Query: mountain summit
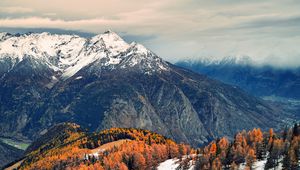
67, 54
104, 82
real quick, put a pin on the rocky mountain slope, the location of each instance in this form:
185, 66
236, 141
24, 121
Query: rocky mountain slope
104, 82
8, 154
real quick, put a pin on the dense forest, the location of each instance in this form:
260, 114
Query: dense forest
247, 147
136, 149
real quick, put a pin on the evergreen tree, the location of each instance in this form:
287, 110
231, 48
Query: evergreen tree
295, 130
229, 157
260, 151
286, 164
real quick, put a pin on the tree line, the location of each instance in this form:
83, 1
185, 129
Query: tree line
146, 150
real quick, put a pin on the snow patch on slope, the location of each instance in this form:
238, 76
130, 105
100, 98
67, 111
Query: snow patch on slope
260, 165
172, 164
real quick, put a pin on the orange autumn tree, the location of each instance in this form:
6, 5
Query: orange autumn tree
213, 149
223, 146
251, 157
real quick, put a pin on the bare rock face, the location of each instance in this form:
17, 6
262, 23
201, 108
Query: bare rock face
104, 82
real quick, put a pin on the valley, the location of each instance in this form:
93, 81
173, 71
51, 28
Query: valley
279, 86
14, 143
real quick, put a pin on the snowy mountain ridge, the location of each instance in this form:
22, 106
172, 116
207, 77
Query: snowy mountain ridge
68, 54
228, 60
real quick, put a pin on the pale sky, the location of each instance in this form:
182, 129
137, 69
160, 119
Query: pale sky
268, 31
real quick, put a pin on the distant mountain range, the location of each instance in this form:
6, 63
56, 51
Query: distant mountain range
104, 82
257, 80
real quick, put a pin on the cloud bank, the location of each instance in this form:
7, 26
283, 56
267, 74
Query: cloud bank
266, 31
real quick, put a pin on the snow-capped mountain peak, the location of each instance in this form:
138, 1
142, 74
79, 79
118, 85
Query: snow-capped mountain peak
139, 56
112, 41
68, 54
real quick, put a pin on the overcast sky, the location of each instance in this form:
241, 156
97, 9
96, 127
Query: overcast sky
266, 30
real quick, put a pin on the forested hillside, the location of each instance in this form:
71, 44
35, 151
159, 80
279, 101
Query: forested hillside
134, 149
281, 150
138, 149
